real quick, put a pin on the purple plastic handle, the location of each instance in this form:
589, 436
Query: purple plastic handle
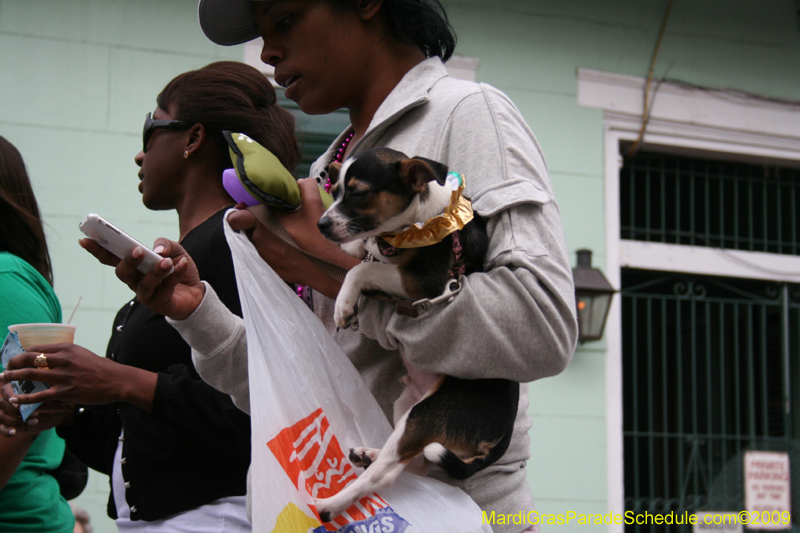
235, 188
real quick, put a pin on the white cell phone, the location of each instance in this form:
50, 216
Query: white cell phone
117, 241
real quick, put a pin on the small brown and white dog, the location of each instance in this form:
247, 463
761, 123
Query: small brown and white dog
463, 425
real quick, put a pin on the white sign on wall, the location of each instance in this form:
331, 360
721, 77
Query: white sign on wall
767, 489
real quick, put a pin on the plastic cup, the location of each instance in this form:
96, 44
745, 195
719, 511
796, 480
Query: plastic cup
35, 334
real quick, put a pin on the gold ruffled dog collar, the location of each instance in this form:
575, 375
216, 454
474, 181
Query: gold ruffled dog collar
455, 216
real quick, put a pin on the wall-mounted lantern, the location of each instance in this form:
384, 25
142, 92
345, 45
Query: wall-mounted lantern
593, 293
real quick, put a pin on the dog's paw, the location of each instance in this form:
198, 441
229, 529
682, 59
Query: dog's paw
345, 312
325, 509
363, 457
346, 307
325, 516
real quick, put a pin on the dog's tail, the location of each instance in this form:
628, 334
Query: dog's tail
457, 468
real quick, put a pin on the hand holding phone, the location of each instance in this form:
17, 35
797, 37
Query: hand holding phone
117, 241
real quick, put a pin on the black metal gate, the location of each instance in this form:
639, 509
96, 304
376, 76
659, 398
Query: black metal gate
710, 371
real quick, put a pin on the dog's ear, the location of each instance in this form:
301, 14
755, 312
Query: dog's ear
418, 171
439, 169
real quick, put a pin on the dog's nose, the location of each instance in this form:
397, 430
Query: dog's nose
325, 224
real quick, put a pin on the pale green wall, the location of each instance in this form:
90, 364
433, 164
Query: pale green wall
77, 77
531, 50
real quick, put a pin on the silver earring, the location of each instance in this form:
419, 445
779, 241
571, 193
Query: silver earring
186, 154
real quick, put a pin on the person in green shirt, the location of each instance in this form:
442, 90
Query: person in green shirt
30, 499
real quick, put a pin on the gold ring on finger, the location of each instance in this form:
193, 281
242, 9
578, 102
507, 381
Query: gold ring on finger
41, 361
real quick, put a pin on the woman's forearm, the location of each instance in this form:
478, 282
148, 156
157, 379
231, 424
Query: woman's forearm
138, 387
12, 452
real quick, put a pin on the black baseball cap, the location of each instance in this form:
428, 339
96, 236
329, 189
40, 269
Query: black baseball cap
227, 22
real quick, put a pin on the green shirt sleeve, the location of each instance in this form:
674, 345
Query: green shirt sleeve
31, 501
25, 296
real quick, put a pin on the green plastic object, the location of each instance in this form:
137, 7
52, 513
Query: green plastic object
263, 175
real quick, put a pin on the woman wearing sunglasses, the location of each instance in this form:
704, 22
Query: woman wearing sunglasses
176, 450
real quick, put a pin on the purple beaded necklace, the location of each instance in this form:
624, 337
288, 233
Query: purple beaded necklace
303, 291
338, 157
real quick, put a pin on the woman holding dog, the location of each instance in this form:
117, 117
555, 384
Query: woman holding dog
383, 61
176, 450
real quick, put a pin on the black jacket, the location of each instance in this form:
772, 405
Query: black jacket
194, 447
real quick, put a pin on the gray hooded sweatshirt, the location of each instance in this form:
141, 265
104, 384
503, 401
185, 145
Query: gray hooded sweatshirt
515, 321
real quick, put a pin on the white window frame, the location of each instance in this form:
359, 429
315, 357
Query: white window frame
692, 120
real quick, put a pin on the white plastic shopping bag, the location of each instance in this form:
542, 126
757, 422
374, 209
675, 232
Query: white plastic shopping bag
308, 405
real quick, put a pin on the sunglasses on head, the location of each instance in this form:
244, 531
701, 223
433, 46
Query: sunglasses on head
151, 124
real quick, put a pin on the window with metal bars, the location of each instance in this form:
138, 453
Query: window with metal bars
709, 364
709, 372
706, 202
